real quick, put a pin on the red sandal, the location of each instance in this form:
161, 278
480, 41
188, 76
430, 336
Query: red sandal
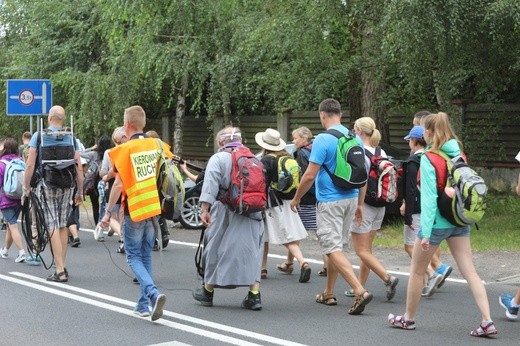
484, 330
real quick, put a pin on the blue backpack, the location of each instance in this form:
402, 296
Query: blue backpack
13, 178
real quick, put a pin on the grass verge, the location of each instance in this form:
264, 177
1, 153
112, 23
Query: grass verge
498, 230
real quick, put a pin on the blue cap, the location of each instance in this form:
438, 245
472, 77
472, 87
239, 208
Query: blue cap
416, 132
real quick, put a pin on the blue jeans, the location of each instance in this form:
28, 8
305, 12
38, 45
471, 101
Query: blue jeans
138, 239
102, 199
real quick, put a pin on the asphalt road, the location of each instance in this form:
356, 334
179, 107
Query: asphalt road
95, 306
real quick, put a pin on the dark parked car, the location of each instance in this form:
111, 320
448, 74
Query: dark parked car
190, 213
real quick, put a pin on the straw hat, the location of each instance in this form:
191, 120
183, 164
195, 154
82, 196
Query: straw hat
270, 140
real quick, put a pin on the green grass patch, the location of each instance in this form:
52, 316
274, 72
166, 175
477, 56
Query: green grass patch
498, 230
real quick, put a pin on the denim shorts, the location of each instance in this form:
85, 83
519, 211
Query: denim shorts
439, 234
11, 214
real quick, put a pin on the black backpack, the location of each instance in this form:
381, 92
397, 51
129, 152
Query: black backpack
56, 163
92, 178
302, 156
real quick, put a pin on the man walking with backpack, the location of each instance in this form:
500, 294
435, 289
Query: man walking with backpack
233, 240
337, 205
54, 157
136, 164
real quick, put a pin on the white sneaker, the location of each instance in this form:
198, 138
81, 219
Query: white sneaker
4, 253
350, 293
20, 258
432, 285
98, 233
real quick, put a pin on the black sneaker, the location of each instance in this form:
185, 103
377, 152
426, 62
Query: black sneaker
75, 242
252, 302
203, 296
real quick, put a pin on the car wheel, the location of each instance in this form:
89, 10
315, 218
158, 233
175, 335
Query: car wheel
190, 213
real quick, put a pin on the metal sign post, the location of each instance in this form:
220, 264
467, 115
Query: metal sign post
28, 97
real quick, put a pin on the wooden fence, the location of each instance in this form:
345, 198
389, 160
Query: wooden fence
490, 133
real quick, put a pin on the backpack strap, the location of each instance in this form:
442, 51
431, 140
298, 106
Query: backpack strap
282, 164
438, 160
5, 163
377, 152
304, 153
198, 254
302, 156
338, 134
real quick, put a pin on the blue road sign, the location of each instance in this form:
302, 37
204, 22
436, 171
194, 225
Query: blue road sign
28, 96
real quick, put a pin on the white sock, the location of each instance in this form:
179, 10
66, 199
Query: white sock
21, 252
513, 304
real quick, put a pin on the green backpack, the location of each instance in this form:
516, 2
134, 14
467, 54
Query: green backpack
170, 186
350, 172
465, 203
289, 175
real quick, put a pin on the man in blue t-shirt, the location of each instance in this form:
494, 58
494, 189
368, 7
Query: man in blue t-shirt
56, 201
337, 208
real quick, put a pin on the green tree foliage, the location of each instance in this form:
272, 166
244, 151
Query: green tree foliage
234, 58
453, 49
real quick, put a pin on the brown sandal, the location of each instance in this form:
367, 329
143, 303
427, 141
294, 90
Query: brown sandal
285, 267
359, 303
326, 299
263, 273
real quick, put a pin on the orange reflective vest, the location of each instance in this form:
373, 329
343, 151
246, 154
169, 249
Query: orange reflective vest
136, 163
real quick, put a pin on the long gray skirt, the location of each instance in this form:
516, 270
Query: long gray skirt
233, 249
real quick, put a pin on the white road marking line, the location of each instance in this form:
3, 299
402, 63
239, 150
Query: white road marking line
171, 343
174, 325
194, 320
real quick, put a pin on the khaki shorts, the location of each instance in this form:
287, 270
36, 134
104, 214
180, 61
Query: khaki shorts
334, 220
410, 234
372, 219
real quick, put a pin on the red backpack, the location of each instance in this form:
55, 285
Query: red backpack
247, 191
441, 170
382, 181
